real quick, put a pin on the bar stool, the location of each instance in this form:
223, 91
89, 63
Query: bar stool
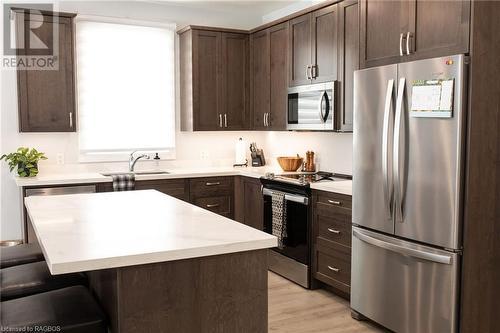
34, 278
19, 255
68, 310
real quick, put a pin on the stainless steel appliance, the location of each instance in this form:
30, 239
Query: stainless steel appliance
293, 259
312, 107
409, 128
28, 231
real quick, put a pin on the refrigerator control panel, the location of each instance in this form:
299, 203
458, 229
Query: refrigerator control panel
432, 98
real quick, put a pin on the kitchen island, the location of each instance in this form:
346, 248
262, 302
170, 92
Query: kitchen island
156, 263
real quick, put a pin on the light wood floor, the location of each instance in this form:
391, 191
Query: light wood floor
293, 309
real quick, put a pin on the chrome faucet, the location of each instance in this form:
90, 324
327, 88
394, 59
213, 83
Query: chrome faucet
132, 161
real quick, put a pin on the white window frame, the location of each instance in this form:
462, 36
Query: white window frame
120, 156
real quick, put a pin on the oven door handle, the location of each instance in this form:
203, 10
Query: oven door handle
289, 197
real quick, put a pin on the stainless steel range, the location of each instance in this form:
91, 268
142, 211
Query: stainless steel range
292, 259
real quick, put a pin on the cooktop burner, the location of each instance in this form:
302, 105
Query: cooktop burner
305, 178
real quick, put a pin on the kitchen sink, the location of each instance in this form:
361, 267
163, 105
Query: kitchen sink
151, 172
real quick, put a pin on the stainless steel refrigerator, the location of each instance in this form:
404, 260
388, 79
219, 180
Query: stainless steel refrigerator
409, 135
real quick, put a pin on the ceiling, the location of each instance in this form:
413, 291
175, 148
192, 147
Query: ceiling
254, 8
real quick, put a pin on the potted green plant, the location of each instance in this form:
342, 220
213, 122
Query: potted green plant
26, 161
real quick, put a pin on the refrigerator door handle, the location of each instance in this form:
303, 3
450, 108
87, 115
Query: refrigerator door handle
385, 148
403, 250
396, 161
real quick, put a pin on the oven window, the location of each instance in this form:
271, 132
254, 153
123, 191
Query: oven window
295, 245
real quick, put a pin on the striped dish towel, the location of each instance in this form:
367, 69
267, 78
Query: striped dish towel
278, 206
123, 182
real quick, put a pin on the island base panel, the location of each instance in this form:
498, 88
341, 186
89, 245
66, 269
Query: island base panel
224, 293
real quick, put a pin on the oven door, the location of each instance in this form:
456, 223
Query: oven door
311, 107
295, 245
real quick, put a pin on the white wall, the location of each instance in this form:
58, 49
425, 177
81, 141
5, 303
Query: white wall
334, 151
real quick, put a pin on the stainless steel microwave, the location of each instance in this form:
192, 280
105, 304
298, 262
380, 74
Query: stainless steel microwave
312, 107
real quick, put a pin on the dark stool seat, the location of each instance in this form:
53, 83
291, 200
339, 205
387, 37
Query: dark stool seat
34, 278
68, 310
19, 255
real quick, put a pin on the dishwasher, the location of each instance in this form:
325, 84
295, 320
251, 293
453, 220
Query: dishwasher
29, 232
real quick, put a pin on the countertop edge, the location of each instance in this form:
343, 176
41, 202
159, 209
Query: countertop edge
152, 258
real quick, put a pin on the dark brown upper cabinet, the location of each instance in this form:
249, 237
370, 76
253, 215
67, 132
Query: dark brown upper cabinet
46, 98
348, 62
260, 78
278, 50
313, 47
235, 78
398, 31
269, 78
214, 80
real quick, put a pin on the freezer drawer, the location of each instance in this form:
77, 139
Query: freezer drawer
404, 286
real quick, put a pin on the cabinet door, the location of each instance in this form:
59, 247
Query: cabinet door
235, 67
381, 25
441, 28
206, 80
278, 36
324, 44
299, 53
46, 97
348, 62
260, 78
253, 203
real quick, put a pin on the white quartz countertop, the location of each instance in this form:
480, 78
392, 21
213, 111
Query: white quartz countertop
65, 178
83, 232
50, 178
337, 186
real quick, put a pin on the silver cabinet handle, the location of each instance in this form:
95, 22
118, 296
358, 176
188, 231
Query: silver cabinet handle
220, 119
265, 116
333, 231
212, 184
385, 148
396, 153
314, 71
307, 72
212, 205
71, 119
409, 35
334, 269
401, 37
335, 202
225, 119
267, 119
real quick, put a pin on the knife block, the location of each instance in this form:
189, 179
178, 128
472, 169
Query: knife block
258, 158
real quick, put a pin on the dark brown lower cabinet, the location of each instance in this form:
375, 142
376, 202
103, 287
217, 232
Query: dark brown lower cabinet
177, 188
249, 203
213, 193
331, 257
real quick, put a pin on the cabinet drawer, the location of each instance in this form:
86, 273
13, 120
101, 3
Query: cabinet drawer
220, 205
333, 200
177, 188
334, 268
331, 229
211, 186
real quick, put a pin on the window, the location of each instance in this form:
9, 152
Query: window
126, 88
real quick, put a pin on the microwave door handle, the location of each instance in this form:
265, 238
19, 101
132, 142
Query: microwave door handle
324, 115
